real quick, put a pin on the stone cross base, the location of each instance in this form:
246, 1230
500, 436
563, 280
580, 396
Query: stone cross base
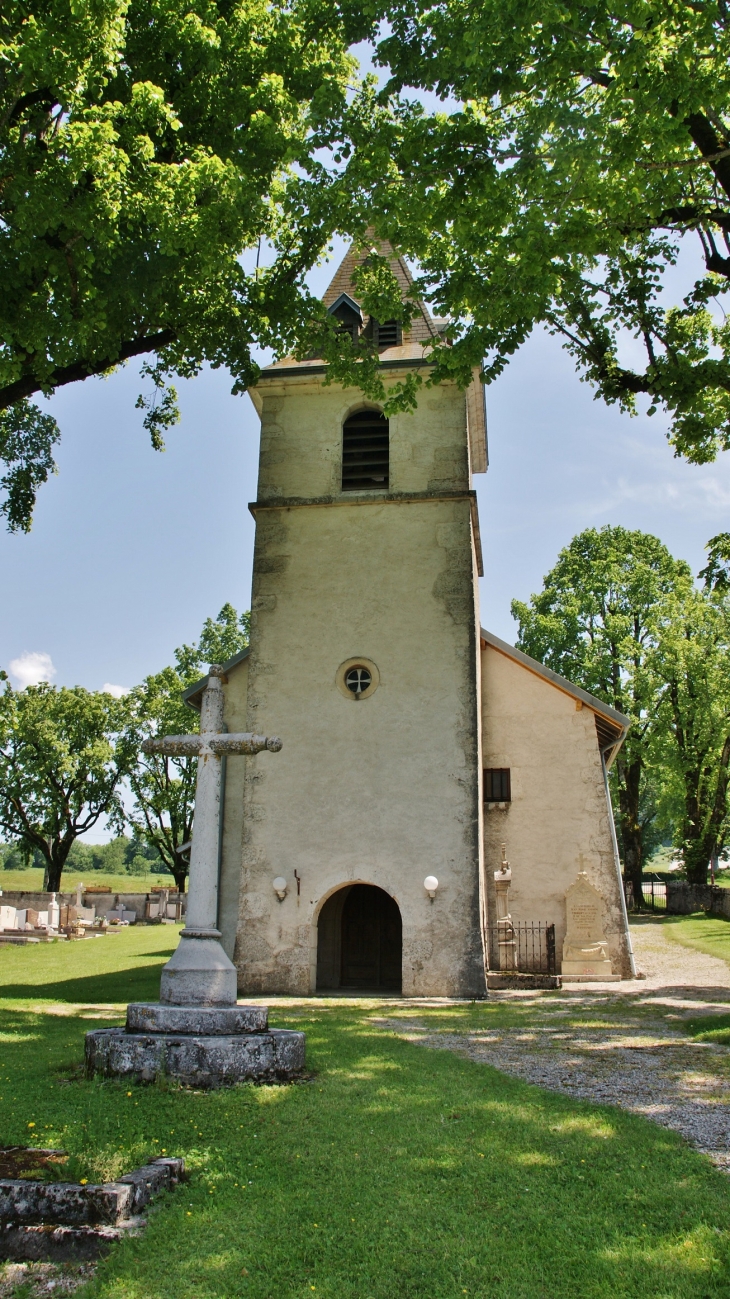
199, 973
201, 1046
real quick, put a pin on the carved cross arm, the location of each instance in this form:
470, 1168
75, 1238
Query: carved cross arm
244, 743
176, 746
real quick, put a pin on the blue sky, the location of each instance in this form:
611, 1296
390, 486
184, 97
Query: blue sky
131, 550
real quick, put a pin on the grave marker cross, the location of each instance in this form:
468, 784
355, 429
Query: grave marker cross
199, 973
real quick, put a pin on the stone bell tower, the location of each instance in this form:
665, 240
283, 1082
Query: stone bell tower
364, 658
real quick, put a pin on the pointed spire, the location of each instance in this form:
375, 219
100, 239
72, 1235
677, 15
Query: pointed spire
423, 327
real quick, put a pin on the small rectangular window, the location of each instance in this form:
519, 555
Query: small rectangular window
497, 786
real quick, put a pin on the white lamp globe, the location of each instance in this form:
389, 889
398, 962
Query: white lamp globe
279, 885
431, 884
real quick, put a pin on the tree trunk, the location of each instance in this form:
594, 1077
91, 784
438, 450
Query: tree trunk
701, 831
54, 870
180, 874
632, 834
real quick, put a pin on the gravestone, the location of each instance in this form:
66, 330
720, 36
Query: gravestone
197, 1032
585, 949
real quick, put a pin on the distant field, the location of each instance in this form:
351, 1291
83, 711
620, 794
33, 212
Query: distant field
32, 881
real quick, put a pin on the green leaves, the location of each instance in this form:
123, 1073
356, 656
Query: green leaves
144, 146
588, 143
27, 438
62, 757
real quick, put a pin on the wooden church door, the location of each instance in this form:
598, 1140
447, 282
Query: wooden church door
372, 940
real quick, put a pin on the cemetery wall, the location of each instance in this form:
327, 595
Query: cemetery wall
683, 898
104, 902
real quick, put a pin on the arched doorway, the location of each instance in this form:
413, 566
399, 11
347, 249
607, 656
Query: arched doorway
360, 941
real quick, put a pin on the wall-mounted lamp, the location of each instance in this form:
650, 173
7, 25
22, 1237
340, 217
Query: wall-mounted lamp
431, 884
280, 887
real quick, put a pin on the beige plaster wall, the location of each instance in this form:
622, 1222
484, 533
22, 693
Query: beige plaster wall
383, 790
558, 809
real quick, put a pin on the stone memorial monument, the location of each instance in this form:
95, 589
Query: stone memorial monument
585, 949
196, 1032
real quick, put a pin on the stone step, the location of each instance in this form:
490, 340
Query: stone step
208, 1021
497, 979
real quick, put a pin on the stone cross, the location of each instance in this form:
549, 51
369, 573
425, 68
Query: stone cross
199, 973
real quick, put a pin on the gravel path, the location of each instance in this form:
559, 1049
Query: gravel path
628, 1052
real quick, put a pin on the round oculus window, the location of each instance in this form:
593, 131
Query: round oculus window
358, 680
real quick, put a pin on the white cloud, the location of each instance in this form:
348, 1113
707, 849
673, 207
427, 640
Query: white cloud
117, 692
31, 668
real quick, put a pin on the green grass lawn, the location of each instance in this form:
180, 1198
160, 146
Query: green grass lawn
31, 881
709, 934
392, 1172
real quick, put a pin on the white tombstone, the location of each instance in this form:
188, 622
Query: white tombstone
8, 918
585, 949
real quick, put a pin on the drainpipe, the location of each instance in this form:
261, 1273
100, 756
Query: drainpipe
617, 864
220, 830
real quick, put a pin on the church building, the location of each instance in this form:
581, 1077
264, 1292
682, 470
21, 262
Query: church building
362, 856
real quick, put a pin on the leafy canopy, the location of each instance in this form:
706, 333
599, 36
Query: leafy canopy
692, 743
145, 145
590, 139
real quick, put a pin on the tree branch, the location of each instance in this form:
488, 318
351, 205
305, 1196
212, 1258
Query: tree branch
78, 370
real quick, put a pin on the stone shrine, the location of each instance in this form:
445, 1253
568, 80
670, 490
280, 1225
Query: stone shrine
585, 948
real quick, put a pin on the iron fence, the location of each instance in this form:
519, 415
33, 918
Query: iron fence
524, 946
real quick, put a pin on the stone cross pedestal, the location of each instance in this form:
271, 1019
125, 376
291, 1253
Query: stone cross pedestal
197, 1033
585, 949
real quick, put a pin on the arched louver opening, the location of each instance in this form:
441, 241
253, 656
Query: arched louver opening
365, 452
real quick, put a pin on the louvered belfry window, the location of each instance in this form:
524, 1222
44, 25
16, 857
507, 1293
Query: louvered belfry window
387, 333
365, 452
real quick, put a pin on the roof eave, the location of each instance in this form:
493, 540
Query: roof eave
193, 695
